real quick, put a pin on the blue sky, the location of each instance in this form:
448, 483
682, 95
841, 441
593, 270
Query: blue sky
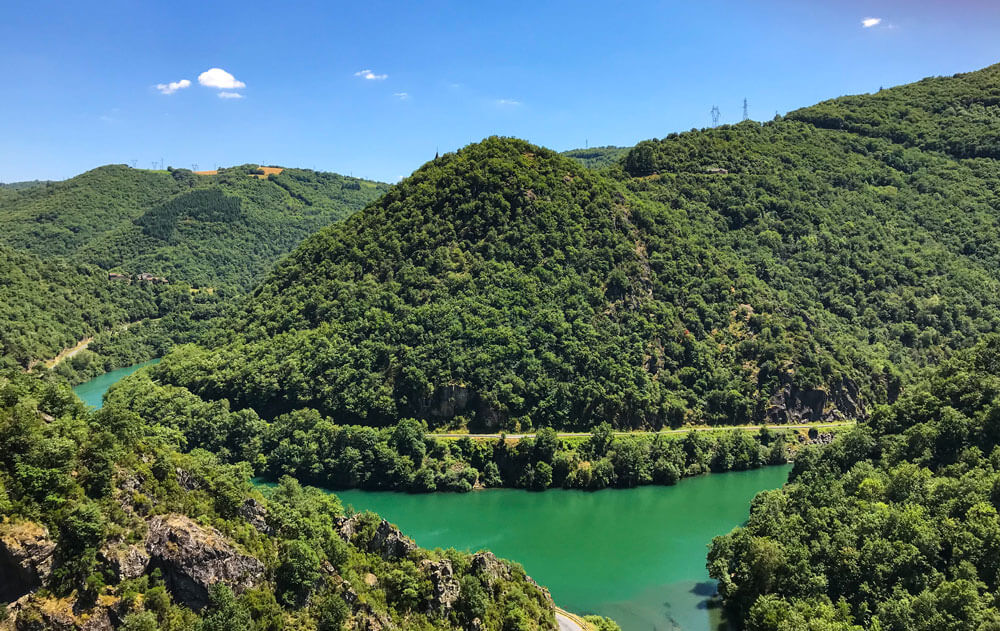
79, 79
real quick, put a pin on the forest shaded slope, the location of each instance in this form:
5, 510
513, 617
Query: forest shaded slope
892, 527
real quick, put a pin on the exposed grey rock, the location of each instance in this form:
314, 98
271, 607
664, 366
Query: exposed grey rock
387, 541
792, 404
255, 513
186, 480
127, 562
489, 568
193, 557
25, 558
446, 586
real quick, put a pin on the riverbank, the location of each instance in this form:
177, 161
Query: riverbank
636, 555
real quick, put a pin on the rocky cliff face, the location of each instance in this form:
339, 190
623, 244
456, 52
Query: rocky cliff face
792, 404
446, 586
25, 558
193, 557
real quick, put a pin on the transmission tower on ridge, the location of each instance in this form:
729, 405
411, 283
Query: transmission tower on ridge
715, 116
746, 115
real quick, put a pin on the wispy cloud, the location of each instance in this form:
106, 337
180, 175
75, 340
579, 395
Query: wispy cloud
173, 86
370, 76
402, 96
220, 79
870, 22
508, 103
230, 95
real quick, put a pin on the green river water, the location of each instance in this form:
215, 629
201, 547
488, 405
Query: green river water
92, 392
635, 555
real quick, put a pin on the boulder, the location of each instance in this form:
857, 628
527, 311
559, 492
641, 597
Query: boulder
256, 514
387, 541
125, 561
25, 558
446, 586
192, 558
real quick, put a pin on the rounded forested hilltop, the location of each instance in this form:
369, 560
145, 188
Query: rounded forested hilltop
785, 271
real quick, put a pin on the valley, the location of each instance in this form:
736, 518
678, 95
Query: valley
758, 359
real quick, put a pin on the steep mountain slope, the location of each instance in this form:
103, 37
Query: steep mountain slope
104, 524
780, 271
207, 230
892, 527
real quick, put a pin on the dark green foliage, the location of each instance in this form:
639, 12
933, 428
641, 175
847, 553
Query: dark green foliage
314, 449
893, 527
46, 306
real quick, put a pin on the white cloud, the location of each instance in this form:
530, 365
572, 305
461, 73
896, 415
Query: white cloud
370, 76
230, 95
173, 86
402, 96
508, 102
219, 78
870, 22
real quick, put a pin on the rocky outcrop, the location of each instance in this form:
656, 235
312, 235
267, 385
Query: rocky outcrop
446, 586
489, 568
447, 402
792, 404
35, 613
192, 558
387, 541
25, 558
256, 514
125, 561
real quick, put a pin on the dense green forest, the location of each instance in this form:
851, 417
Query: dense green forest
107, 524
223, 230
779, 271
211, 236
892, 527
597, 157
315, 450
46, 306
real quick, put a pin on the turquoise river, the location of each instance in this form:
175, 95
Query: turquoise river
635, 555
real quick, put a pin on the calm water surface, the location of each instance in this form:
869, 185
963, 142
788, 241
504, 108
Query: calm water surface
635, 555
92, 392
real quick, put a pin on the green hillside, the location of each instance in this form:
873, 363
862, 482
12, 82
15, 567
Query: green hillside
597, 157
780, 271
222, 230
892, 527
105, 519
46, 306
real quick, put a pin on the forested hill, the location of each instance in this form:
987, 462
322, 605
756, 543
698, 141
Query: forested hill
893, 527
219, 230
780, 271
